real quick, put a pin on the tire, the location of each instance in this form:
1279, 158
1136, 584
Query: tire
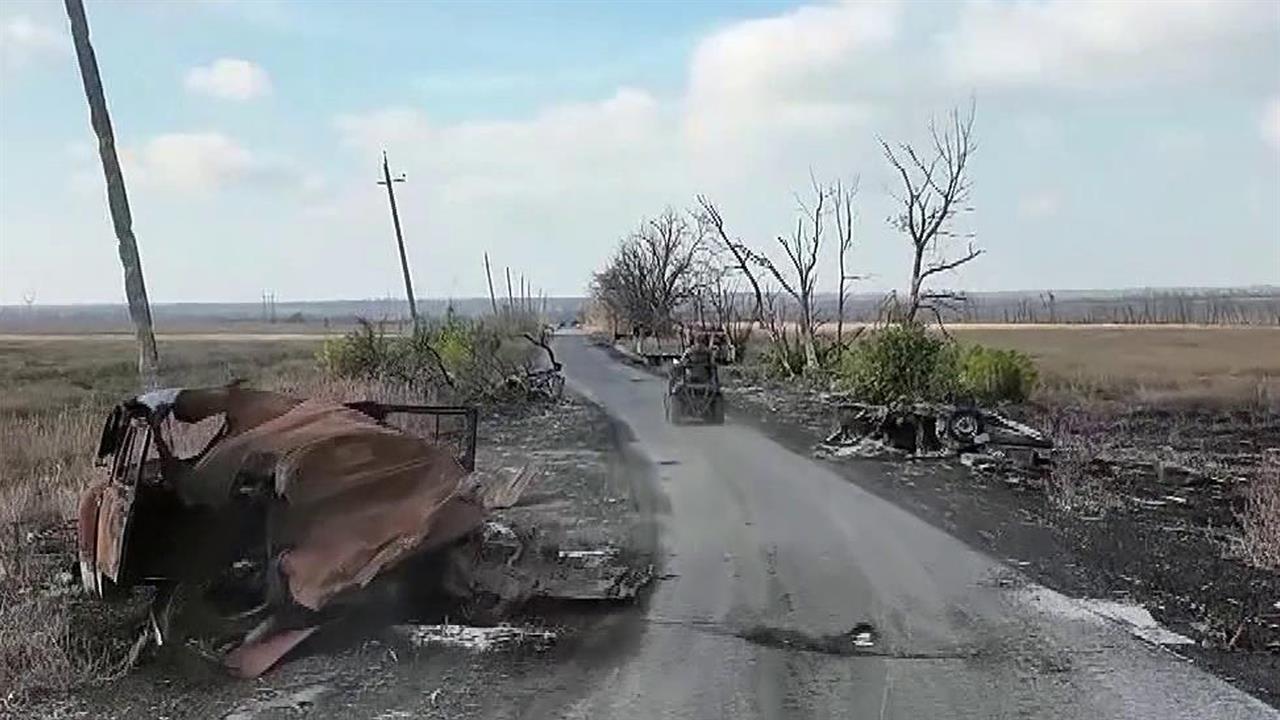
716, 415
964, 426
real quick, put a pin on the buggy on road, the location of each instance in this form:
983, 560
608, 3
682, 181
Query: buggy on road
693, 390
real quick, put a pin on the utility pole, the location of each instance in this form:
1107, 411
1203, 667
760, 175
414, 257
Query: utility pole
135, 288
395, 219
493, 300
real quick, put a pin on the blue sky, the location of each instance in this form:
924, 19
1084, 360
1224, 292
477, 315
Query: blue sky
1122, 144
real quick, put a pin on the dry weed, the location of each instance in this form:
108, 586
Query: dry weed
1259, 542
1074, 484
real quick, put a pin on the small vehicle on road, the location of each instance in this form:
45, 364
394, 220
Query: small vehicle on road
693, 389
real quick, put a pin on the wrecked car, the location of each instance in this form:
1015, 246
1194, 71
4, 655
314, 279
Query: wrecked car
295, 513
290, 509
936, 430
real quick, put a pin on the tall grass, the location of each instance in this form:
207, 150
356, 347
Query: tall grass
1259, 541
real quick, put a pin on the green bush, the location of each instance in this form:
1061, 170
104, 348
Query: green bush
901, 362
471, 356
364, 353
907, 362
994, 375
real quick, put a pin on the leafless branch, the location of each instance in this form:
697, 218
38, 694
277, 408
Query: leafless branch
934, 191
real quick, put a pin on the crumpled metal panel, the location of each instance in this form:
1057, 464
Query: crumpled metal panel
358, 496
113, 521
352, 497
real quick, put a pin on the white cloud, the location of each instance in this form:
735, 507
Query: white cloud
184, 163
200, 161
229, 79
556, 149
1068, 43
805, 70
24, 40
1270, 123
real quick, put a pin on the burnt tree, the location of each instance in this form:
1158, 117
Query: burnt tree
934, 189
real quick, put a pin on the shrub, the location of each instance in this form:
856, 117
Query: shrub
472, 358
907, 362
365, 352
901, 362
994, 375
782, 359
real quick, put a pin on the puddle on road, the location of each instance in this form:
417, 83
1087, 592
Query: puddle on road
859, 640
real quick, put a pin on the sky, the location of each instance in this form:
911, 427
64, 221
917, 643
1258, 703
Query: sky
1120, 144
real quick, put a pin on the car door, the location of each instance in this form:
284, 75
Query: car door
116, 509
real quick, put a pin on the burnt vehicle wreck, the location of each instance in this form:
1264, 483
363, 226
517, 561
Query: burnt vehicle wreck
924, 430
296, 513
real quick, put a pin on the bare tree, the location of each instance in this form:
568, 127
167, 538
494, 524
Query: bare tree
934, 191
842, 198
802, 250
767, 312
797, 277
653, 273
743, 258
722, 292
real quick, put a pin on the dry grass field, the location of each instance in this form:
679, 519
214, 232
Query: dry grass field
1214, 365
1196, 364
54, 391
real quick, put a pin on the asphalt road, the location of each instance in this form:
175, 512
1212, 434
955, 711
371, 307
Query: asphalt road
771, 559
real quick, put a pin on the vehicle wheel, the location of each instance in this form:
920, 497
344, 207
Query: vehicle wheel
717, 411
964, 426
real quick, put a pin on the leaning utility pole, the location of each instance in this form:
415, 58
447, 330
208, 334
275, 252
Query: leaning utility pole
493, 300
511, 302
395, 219
135, 289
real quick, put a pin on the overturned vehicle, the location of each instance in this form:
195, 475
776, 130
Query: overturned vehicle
923, 430
294, 513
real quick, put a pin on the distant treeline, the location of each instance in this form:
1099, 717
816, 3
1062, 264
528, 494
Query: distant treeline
1241, 306
1154, 307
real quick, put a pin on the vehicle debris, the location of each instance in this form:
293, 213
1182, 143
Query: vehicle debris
476, 639
298, 511
981, 439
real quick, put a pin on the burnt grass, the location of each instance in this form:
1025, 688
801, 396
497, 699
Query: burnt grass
1160, 526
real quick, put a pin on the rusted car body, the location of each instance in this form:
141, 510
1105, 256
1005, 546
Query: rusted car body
292, 509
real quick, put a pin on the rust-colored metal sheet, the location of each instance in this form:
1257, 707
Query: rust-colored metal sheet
87, 536
113, 528
352, 497
358, 496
